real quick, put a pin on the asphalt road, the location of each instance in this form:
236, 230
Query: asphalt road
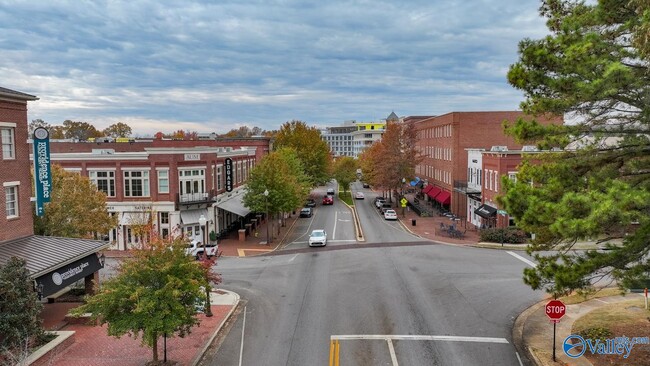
397, 302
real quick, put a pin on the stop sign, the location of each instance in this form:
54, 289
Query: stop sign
555, 310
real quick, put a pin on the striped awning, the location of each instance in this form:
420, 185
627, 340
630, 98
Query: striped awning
427, 189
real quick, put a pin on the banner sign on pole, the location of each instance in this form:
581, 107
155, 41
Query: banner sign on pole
42, 173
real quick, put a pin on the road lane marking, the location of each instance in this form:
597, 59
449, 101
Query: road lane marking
241, 348
336, 215
419, 338
391, 349
242, 252
292, 258
519, 358
525, 260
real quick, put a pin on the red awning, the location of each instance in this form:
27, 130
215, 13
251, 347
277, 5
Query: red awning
444, 198
434, 192
427, 188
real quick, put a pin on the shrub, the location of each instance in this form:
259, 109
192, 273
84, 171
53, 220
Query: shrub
505, 235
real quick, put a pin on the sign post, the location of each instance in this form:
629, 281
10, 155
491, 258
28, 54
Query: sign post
403, 202
555, 310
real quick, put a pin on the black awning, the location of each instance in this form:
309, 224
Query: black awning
486, 211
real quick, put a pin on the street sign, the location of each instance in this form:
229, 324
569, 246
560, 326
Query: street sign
404, 202
555, 310
502, 212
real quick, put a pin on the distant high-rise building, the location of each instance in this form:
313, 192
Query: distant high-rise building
352, 137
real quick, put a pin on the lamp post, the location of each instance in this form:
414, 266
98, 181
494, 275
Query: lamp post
208, 311
268, 221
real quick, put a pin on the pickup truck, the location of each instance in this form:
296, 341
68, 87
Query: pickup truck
195, 249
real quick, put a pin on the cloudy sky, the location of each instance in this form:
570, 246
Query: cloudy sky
215, 65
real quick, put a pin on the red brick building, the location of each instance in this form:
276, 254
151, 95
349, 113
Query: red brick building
53, 263
176, 181
444, 141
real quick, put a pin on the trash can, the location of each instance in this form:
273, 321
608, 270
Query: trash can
413, 222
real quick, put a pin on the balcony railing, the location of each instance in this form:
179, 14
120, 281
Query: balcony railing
201, 197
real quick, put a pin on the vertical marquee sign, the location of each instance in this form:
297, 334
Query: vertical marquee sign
42, 174
228, 174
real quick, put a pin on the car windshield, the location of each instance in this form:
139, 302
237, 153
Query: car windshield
305, 210
318, 233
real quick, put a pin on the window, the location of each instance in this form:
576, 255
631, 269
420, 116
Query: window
219, 174
512, 176
104, 181
11, 199
8, 145
136, 183
163, 181
164, 217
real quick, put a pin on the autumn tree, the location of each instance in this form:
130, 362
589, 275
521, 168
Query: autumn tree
368, 162
312, 151
77, 209
594, 68
118, 130
155, 293
57, 132
282, 175
397, 155
345, 171
79, 130
20, 325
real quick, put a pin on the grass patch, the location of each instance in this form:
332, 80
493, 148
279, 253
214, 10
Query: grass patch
346, 197
631, 312
579, 297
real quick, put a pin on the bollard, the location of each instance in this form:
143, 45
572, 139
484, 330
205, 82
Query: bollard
413, 222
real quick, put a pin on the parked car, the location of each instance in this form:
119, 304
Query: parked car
318, 238
390, 214
359, 196
379, 202
328, 200
305, 212
385, 206
195, 249
310, 202
366, 185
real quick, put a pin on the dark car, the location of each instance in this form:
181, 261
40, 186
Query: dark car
305, 212
328, 200
310, 202
366, 185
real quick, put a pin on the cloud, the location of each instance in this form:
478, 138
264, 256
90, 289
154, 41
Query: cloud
209, 66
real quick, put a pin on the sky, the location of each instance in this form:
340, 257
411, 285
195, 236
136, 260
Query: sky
211, 66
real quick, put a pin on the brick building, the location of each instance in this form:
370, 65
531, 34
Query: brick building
53, 263
444, 141
175, 181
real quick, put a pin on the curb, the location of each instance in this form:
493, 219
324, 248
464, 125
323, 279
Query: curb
518, 332
199, 356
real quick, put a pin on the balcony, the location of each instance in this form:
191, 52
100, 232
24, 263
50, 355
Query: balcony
195, 198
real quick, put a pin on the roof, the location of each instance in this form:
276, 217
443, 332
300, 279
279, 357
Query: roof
392, 117
12, 94
46, 253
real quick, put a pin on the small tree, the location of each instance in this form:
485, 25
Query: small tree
345, 171
20, 326
155, 293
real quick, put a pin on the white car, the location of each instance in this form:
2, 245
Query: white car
359, 196
318, 238
390, 215
195, 249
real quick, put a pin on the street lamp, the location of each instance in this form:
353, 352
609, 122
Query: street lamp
268, 221
208, 311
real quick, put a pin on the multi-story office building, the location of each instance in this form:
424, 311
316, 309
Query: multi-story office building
444, 141
353, 137
175, 181
53, 263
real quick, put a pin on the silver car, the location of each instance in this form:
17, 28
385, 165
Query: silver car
318, 238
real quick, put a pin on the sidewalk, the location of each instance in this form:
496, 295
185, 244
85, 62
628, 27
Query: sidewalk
533, 331
92, 345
